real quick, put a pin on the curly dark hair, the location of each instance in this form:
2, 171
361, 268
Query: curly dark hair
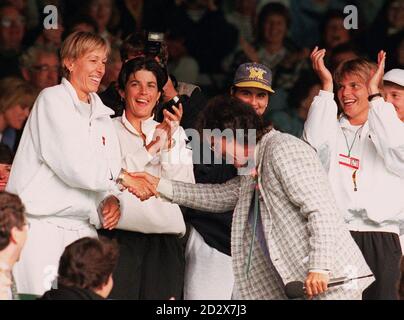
225, 112
87, 263
11, 215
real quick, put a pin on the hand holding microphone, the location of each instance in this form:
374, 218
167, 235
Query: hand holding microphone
296, 289
316, 283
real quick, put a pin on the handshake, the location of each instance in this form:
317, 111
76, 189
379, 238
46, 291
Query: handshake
143, 185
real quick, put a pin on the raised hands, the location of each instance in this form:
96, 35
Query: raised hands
376, 80
317, 59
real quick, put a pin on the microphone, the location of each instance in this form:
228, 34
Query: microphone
296, 289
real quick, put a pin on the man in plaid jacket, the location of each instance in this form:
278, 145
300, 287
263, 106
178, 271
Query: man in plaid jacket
286, 226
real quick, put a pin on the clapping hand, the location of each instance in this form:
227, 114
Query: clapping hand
375, 81
162, 138
317, 59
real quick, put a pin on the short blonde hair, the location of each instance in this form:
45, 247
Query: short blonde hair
16, 91
360, 67
78, 44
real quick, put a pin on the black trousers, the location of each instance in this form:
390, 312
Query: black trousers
150, 266
382, 252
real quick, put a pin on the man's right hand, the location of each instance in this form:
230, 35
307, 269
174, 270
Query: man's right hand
317, 59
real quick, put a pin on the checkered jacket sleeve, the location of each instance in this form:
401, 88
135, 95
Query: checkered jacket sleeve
305, 183
207, 197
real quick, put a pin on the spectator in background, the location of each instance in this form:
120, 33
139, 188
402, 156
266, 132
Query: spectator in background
396, 59
112, 69
306, 17
12, 31
393, 90
85, 270
276, 51
40, 66
244, 17
180, 63
209, 38
49, 36
6, 159
82, 23
341, 53
102, 12
12, 28
13, 234
333, 32
29, 9
388, 23
139, 15
16, 99
292, 119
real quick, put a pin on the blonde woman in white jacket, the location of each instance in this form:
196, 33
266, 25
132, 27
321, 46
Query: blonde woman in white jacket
67, 164
151, 261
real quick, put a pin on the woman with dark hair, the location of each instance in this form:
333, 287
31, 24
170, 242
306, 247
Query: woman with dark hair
85, 270
151, 264
286, 225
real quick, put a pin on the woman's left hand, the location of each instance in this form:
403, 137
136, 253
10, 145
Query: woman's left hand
166, 129
111, 213
173, 119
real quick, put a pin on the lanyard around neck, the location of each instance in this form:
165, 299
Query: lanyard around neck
349, 147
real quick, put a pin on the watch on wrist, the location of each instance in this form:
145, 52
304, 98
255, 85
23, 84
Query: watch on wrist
372, 96
120, 179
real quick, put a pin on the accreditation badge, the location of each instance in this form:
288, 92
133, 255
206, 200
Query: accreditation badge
347, 161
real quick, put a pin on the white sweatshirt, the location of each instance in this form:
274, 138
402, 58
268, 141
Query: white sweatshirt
378, 203
153, 215
68, 157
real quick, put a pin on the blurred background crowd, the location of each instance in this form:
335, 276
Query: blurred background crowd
204, 42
